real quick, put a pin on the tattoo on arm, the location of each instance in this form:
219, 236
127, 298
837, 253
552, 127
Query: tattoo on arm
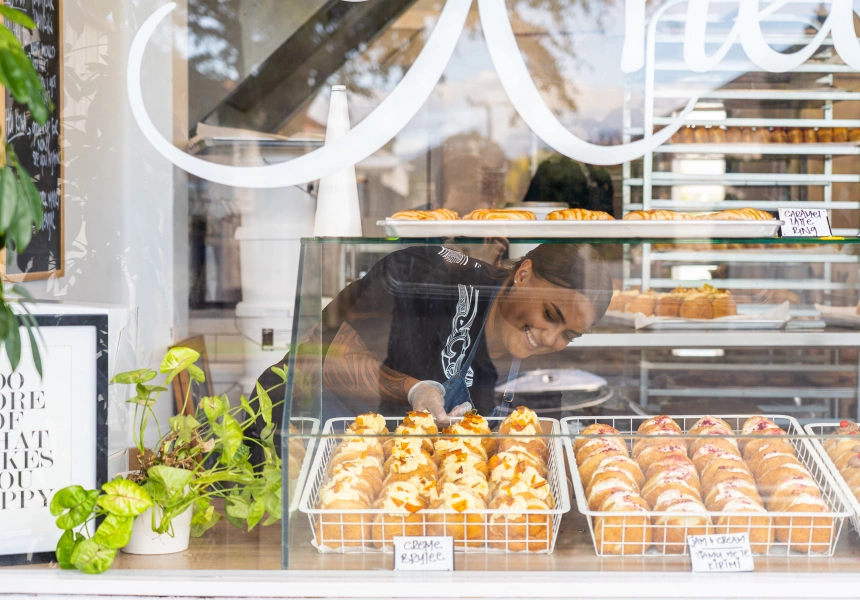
350, 369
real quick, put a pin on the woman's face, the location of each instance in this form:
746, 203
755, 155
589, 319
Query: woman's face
537, 317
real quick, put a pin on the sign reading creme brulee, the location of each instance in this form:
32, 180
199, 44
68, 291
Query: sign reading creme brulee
424, 553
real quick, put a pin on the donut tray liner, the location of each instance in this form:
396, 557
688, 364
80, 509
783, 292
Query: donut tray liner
796, 522
511, 542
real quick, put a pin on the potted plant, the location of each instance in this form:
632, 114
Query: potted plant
201, 457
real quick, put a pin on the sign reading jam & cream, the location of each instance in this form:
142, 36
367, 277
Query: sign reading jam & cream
406, 99
52, 430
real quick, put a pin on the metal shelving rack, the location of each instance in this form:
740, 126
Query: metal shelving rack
817, 400
649, 179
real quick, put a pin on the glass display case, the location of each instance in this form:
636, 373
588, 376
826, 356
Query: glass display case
593, 358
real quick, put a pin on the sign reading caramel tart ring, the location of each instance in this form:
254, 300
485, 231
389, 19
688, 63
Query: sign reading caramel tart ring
53, 430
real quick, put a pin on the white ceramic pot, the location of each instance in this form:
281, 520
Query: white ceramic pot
145, 541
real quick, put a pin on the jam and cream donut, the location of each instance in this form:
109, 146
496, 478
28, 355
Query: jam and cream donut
623, 535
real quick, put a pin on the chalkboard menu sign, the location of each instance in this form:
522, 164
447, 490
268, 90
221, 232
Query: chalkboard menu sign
39, 147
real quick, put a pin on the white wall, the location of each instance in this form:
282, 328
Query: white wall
120, 194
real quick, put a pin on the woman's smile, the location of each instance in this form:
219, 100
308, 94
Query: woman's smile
530, 338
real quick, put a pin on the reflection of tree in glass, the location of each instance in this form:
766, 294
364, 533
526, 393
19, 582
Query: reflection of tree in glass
543, 33
210, 53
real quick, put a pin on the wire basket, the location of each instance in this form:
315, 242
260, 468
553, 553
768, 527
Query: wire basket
628, 533
371, 530
308, 428
819, 429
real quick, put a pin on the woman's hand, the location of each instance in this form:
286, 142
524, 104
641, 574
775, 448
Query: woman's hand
429, 396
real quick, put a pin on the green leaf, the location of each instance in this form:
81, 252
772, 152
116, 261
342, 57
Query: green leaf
114, 532
21, 229
273, 503
184, 425
124, 498
131, 376
21, 290
196, 373
213, 407
16, 16
174, 480
65, 547
282, 373
255, 513
177, 360
246, 405
204, 517
237, 507
37, 357
8, 198
73, 505
92, 558
13, 339
4, 324
231, 437
33, 197
265, 404
141, 401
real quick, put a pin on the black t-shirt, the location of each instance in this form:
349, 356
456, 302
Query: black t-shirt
420, 311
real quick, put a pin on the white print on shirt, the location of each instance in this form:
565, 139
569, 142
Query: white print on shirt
452, 256
457, 347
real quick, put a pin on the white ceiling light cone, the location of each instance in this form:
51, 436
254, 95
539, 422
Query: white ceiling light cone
338, 213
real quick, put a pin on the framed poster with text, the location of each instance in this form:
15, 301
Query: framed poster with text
53, 430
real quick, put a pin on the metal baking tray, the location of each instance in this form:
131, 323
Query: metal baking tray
583, 229
672, 324
846, 322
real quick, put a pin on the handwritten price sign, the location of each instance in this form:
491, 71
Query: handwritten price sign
424, 553
720, 553
804, 222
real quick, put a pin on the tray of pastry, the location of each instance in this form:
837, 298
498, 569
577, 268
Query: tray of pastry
646, 483
581, 223
840, 454
703, 308
582, 229
300, 449
377, 477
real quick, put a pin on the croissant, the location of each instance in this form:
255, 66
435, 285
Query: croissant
489, 214
579, 214
739, 214
656, 215
439, 214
